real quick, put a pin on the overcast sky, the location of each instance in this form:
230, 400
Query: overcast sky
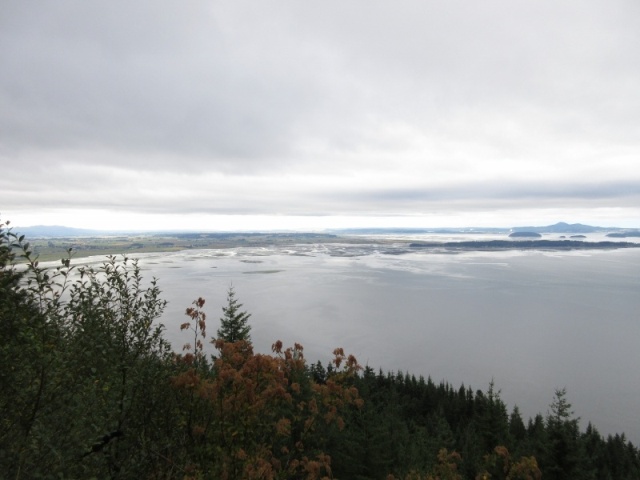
314, 114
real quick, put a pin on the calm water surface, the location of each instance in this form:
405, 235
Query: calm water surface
531, 321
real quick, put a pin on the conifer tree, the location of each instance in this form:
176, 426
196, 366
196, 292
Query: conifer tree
234, 324
566, 455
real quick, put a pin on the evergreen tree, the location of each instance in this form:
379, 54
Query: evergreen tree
517, 429
234, 324
567, 457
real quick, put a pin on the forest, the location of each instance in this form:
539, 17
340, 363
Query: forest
90, 388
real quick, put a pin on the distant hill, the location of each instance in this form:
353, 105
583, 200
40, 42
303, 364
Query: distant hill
52, 231
57, 231
562, 227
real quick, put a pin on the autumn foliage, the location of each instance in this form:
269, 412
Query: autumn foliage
257, 416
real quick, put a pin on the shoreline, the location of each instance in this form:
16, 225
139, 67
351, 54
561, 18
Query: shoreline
54, 249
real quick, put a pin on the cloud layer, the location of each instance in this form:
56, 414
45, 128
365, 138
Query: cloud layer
356, 109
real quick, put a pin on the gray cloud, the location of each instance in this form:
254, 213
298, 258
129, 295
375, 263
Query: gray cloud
321, 108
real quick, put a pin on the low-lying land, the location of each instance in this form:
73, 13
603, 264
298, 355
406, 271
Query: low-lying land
55, 248
524, 245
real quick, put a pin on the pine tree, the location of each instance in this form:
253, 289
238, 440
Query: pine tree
234, 323
567, 457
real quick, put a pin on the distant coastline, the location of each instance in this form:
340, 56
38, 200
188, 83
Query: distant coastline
53, 243
524, 245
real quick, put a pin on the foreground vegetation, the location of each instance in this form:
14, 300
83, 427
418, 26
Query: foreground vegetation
89, 388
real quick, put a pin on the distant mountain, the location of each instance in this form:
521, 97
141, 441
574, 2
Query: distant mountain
51, 231
560, 227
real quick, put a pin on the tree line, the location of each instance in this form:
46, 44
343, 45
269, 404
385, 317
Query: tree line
90, 388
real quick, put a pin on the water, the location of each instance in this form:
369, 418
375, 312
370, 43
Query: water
531, 321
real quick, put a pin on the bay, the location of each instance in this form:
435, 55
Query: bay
531, 321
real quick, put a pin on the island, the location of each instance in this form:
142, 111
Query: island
635, 233
493, 245
525, 235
